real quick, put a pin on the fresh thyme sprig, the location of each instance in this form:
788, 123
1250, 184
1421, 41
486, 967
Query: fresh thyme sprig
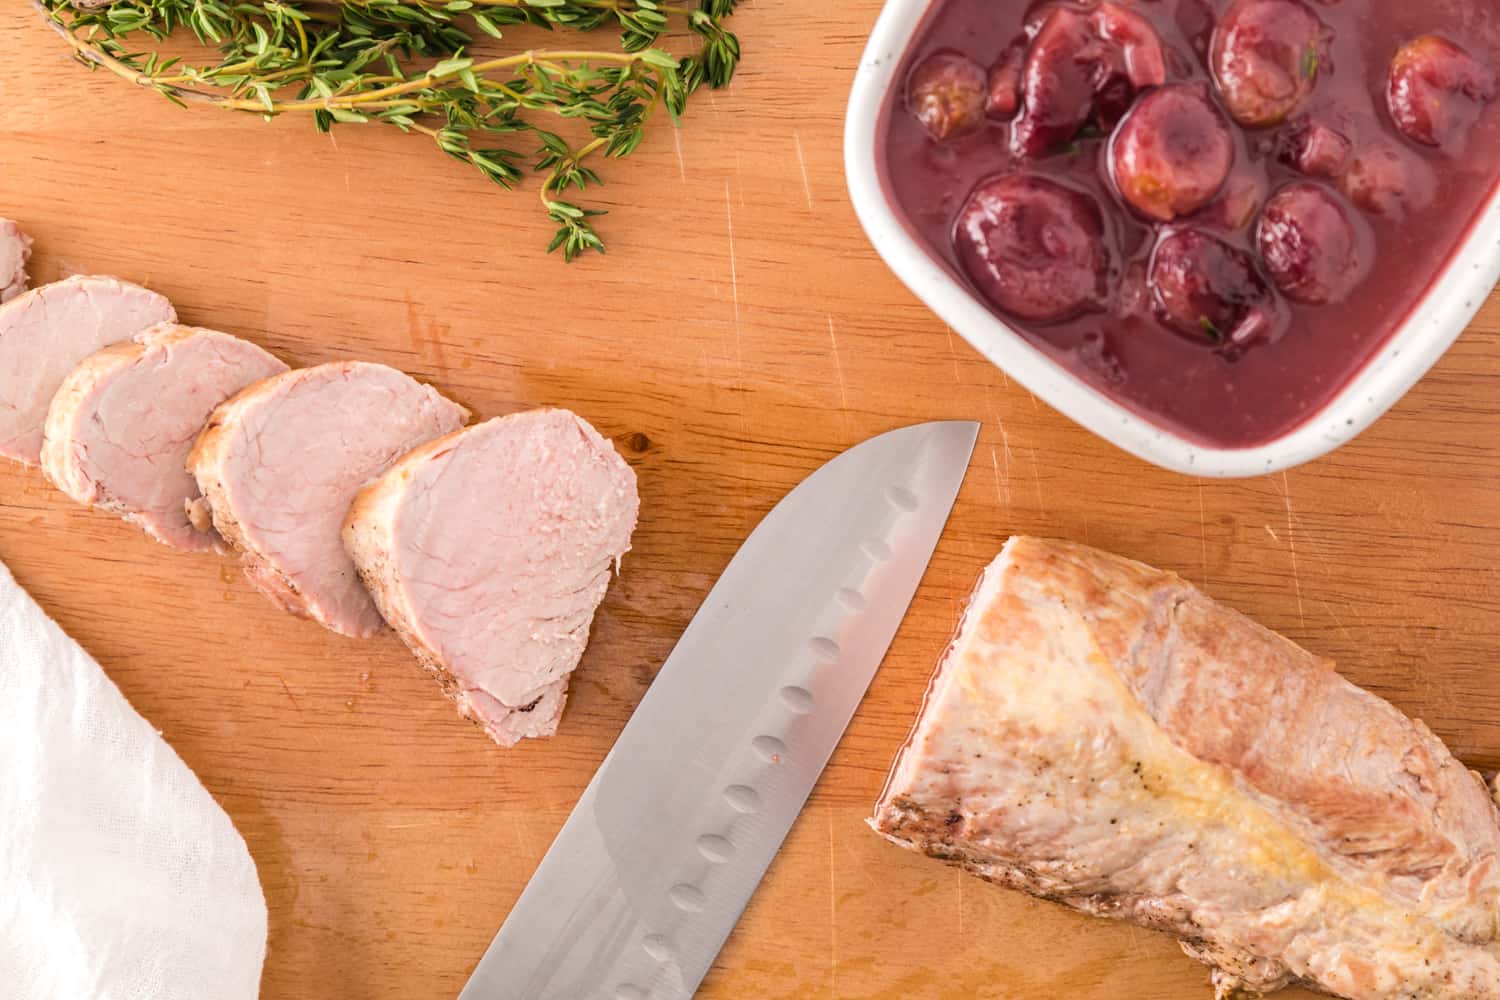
406, 63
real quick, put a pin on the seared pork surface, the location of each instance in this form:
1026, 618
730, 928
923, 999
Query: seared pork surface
15, 251
120, 428
489, 550
280, 462
1103, 735
46, 332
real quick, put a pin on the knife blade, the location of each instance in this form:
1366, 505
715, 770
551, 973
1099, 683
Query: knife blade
667, 844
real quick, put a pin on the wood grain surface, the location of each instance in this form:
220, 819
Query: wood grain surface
740, 333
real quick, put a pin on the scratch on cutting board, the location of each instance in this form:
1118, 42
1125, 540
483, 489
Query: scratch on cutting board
1002, 483
1336, 619
989, 400
1005, 441
953, 356
838, 366
739, 349
1272, 532
1036, 476
802, 165
677, 143
1203, 533
1291, 544
734, 274
289, 694
1310, 541
1293, 523
963, 877
833, 916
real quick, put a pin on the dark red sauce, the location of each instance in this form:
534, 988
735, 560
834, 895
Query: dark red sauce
1296, 355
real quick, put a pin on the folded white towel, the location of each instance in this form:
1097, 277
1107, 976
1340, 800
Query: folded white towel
120, 877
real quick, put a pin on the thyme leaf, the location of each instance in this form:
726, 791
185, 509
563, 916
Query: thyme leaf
1311, 59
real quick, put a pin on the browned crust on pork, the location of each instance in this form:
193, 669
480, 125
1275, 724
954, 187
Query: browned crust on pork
203, 462
361, 532
369, 516
58, 460
370, 519
1235, 975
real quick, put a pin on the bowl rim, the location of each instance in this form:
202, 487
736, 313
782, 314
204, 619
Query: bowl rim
1438, 319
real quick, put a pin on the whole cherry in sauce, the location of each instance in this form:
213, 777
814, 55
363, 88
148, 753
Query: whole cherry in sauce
947, 93
1033, 247
1435, 91
1206, 289
1265, 57
1172, 153
1083, 65
1314, 248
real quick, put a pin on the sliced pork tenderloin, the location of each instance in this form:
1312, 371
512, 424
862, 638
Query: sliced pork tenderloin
46, 332
280, 462
489, 551
119, 430
15, 252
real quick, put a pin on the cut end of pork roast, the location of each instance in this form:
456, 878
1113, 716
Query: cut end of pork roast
280, 463
120, 428
46, 332
489, 551
15, 252
1103, 735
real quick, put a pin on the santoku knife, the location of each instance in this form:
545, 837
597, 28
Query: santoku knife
660, 856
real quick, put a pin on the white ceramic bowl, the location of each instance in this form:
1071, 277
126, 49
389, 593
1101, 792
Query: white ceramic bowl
1442, 315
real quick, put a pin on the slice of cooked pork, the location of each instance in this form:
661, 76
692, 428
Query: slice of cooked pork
15, 252
1103, 735
119, 430
280, 462
489, 550
46, 332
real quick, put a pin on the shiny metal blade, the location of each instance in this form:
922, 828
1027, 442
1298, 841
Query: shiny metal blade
667, 844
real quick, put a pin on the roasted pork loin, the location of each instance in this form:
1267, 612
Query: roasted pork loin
119, 430
15, 252
280, 462
46, 332
1103, 735
489, 550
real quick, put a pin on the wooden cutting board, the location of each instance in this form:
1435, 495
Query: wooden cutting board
740, 333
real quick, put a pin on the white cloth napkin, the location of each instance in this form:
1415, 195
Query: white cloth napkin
120, 877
